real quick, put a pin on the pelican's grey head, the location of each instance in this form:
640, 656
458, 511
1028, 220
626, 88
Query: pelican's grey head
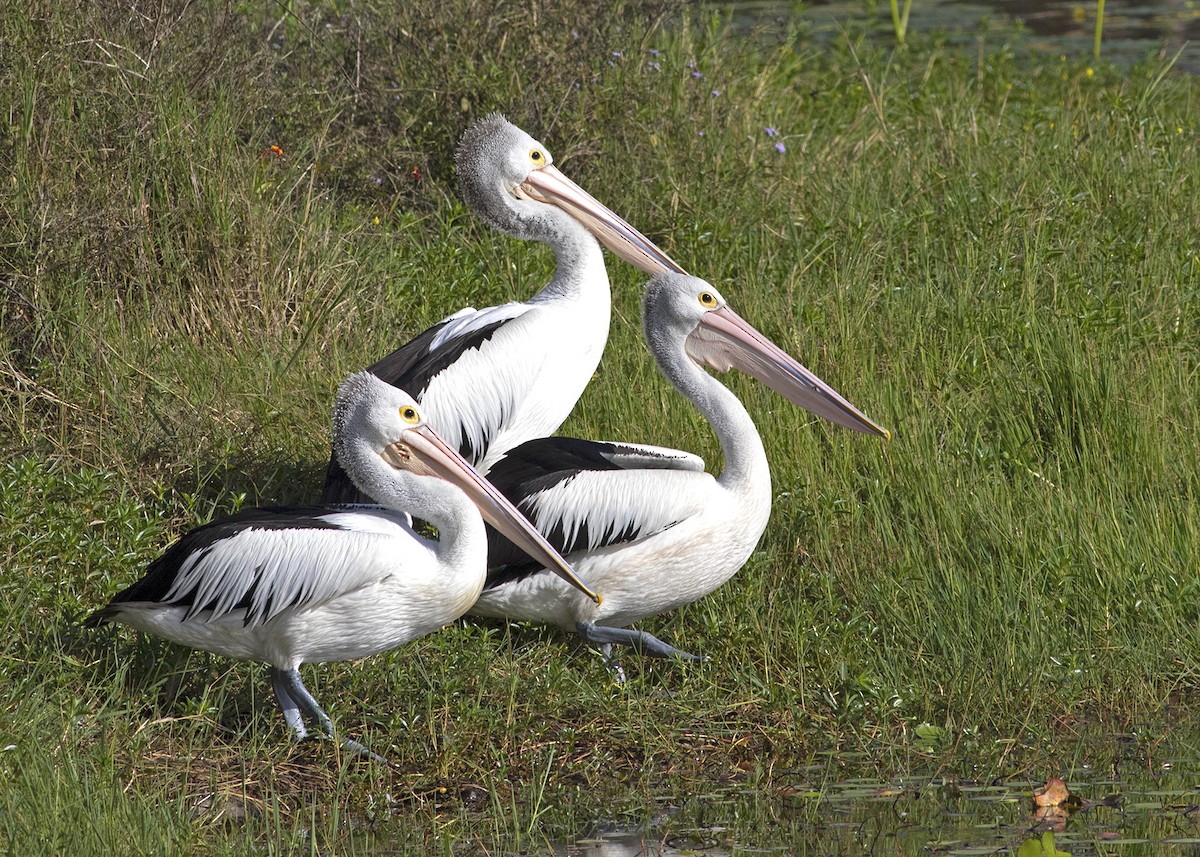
678, 307
673, 307
510, 180
374, 421
371, 415
494, 158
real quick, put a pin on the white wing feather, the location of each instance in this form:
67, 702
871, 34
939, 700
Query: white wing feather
468, 319
514, 387
288, 567
609, 502
644, 456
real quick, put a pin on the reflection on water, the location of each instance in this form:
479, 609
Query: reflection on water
803, 814
643, 844
1154, 22
1132, 30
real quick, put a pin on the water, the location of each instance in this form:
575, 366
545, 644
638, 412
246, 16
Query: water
1129, 795
1159, 814
1132, 31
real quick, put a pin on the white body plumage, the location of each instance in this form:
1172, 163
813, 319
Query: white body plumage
524, 380
701, 533
364, 584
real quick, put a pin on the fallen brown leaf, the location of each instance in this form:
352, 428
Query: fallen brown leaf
1055, 792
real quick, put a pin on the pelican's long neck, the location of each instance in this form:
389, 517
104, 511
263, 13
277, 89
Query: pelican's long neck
746, 468
579, 273
462, 540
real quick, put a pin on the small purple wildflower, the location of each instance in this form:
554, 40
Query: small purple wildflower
654, 66
697, 75
699, 133
716, 92
771, 132
616, 54
654, 52
779, 147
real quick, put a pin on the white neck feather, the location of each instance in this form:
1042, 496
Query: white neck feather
746, 468
579, 269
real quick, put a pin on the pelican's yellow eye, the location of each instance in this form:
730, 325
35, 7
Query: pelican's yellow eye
409, 414
537, 157
708, 299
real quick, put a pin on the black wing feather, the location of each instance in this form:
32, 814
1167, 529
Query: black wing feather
533, 467
161, 573
411, 367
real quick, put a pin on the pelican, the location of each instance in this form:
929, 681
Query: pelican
310, 585
646, 525
492, 378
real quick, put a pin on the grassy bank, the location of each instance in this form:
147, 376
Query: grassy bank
994, 255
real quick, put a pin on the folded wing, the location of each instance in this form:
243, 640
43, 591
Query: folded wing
586, 495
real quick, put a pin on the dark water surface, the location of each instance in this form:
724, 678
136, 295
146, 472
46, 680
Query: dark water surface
1130, 794
1157, 814
1132, 32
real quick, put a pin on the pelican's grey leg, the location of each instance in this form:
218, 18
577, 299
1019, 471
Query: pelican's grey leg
614, 665
291, 711
296, 690
640, 641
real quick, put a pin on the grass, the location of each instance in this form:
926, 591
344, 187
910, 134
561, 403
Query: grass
994, 255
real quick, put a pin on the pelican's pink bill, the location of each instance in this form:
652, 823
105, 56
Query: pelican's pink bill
725, 340
549, 185
430, 455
